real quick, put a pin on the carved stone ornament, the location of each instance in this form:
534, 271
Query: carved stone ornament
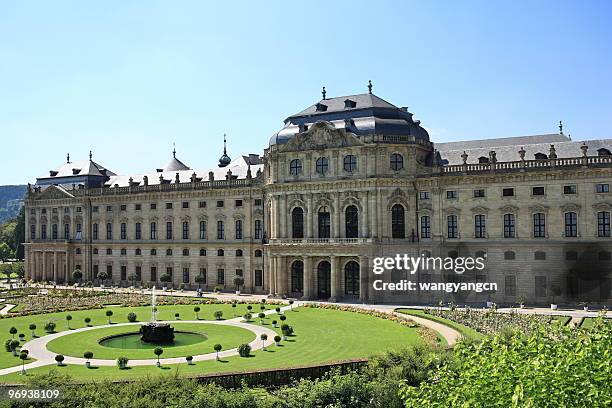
321, 135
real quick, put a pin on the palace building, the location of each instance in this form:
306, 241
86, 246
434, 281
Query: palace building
347, 180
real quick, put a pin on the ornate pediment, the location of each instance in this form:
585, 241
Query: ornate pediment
479, 210
398, 197
53, 192
539, 208
452, 210
570, 207
602, 207
321, 135
426, 206
509, 209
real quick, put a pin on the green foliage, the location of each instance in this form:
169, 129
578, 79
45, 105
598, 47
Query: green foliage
59, 359
238, 281
554, 366
122, 362
218, 347
131, 317
88, 355
5, 252
277, 338
165, 277
50, 327
218, 315
244, 350
77, 275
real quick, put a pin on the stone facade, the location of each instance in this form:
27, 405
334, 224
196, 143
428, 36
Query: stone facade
327, 199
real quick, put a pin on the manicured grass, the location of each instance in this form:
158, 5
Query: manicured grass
564, 320
465, 331
98, 317
321, 335
588, 322
76, 344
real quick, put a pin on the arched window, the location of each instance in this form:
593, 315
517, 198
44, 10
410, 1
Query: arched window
297, 223
202, 251
239, 252
324, 223
397, 162
322, 165
540, 156
323, 280
220, 252
350, 163
297, 276
295, 167
185, 251
351, 221
509, 255
258, 253
398, 229
603, 152
483, 160
351, 278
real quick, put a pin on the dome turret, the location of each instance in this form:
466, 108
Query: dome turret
224, 160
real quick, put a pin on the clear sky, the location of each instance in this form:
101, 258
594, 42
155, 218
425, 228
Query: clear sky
127, 79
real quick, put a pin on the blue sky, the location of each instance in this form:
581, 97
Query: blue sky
127, 79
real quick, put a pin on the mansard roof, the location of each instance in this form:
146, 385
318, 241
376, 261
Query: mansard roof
507, 149
76, 169
362, 114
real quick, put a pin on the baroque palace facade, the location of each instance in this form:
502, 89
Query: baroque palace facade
345, 181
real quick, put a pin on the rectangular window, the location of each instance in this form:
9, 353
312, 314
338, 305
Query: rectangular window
123, 207
109, 231
571, 224
452, 228
220, 203
153, 230
509, 226
169, 230
540, 286
168, 206
54, 231
258, 229
123, 272
510, 285
96, 270
137, 207
603, 224
153, 274
138, 273
508, 192
202, 229
425, 227
258, 277
185, 230
153, 206
238, 203
238, 229
537, 191
451, 194
539, 225
602, 188
79, 209
138, 233
220, 276
109, 271
95, 209
185, 275
220, 230
479, 193
95, 231
424, 195
202, 204
78, 232
66, 231
569, 189
32, 232
185, 204
258, 202
480, 226
123, 230
109, 208
203, 275
43, 232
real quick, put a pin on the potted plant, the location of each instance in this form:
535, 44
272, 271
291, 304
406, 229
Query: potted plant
158, 352
218, 289
182, 287
217, 348
277, 340
23, 356
122, 362
59, 359
555, 290
585, 305
165, 278
88, 355
189, 360
238, 282
521, 301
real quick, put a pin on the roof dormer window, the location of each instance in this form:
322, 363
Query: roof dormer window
349, 104
603, 152
541, 156
75, 171
52, 173
320, 107
483, 160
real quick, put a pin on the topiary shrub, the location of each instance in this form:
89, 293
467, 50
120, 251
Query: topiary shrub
59, 359
277, 339
247, 317
131, 317
244, 350
189, 359
122, 362
50, 327
218, 315
87, 321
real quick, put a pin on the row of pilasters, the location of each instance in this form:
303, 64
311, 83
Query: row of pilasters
48, 265
279, 270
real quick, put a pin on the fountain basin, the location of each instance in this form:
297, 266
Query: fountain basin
159, 333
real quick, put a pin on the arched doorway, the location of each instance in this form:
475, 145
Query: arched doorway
297, 223
351, 278
324, 280
297, 277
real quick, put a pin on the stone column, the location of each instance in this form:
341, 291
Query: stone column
363, 228
373, 213
309, 216
55, 267
336, 225
364, 274
281, 271
272, 287
334, 278
67, 266
277, 217
284, 229
44, 266
308, 287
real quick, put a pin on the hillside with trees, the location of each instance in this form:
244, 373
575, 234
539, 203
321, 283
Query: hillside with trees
11, 201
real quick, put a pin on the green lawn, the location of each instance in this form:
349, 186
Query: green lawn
465, 331
98, 317
321, 335
76, 344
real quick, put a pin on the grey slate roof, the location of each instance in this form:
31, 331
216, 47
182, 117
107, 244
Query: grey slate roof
506, 149
366, 114
175, 165
238, 166
79, 168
